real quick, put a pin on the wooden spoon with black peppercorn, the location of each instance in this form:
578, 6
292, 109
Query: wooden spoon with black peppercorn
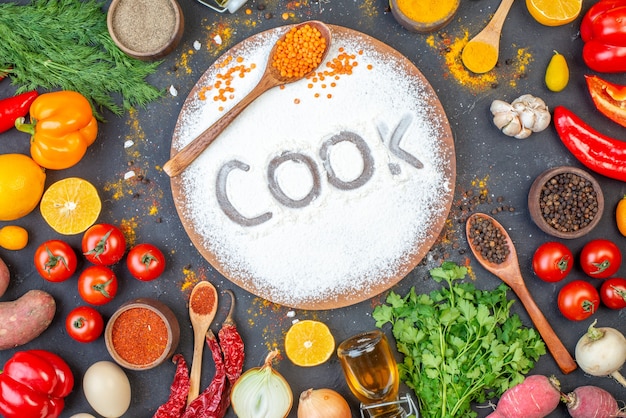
494, 250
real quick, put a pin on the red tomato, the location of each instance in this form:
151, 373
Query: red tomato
578, 300
104, 244
145, 262
84, 324
55, 260
600, 258
613, 293
97, 285
552, 261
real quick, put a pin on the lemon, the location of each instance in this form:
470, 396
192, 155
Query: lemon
557, 73
70, 206
309, 343
21, 186
13, 237
554, 12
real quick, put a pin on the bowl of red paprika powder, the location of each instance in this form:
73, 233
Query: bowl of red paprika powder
142, 334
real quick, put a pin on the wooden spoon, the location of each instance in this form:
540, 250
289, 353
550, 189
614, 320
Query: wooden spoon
509, 272
481, 52
271, 78
202, 308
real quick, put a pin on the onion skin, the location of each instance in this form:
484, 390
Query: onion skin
602, 352
323, 403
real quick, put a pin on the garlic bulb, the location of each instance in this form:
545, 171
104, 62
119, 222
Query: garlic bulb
522, 117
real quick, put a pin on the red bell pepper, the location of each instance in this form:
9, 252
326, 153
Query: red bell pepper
603, 29
13, 108
609, 98
34, 384
598, 152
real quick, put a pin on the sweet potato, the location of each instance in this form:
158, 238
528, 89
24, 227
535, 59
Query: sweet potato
4, 277
536, 397
24, 319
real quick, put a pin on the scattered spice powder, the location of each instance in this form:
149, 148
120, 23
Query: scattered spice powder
139, 336
203, 300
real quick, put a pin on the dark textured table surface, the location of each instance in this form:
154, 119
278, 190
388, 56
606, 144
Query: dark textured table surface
489, 163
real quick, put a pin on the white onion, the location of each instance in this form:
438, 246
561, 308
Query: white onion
323, 403
602, 352
262, 392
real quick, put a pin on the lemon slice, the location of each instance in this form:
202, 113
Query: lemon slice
70, 206
309, 343
554, 12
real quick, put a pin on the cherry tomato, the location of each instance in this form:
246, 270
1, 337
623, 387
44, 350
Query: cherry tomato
97, 285
84, 324
578, 300
55, 260
600, 258
552, 261
104, 244
613, 293
145, 262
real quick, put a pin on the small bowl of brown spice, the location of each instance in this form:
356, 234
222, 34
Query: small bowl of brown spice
146, 29
142, 334
565, 202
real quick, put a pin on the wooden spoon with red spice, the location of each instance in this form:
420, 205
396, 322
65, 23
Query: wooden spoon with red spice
271, 78
202, 308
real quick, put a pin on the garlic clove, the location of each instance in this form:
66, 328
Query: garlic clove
523, 134
498, 106
502, 119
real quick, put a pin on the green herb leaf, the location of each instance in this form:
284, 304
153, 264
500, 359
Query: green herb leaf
65, 44
460, 344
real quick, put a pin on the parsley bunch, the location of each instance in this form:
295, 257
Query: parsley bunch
460, 344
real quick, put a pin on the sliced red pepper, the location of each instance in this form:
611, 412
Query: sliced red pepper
604, 58
610, 26
13, 108
609, 98
598, 152
586, 31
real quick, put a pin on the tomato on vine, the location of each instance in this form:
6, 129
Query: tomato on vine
97, 285
84, 324
578, 300
613, 293
600, 258
145, 262
552, 261
104, 244
55, 260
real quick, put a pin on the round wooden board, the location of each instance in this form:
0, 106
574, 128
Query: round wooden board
209, 228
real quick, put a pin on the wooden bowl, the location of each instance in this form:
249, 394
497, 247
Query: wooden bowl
149, 327
146, 29
419, 25
535, 209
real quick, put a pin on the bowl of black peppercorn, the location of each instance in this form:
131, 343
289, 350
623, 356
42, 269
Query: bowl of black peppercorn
565, 202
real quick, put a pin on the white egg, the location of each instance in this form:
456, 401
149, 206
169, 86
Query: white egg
107, 389
82, 415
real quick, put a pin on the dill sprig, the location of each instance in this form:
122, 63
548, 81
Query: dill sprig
65, 45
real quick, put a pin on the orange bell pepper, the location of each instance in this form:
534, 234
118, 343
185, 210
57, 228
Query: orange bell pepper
62, 127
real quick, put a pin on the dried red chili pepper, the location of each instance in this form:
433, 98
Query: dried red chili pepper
13, 108
175, 405
598, 152
232, 344
211, 402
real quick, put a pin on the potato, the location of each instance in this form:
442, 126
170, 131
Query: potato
4, 277
26, 318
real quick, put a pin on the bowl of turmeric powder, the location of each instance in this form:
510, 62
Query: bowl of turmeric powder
424, 16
